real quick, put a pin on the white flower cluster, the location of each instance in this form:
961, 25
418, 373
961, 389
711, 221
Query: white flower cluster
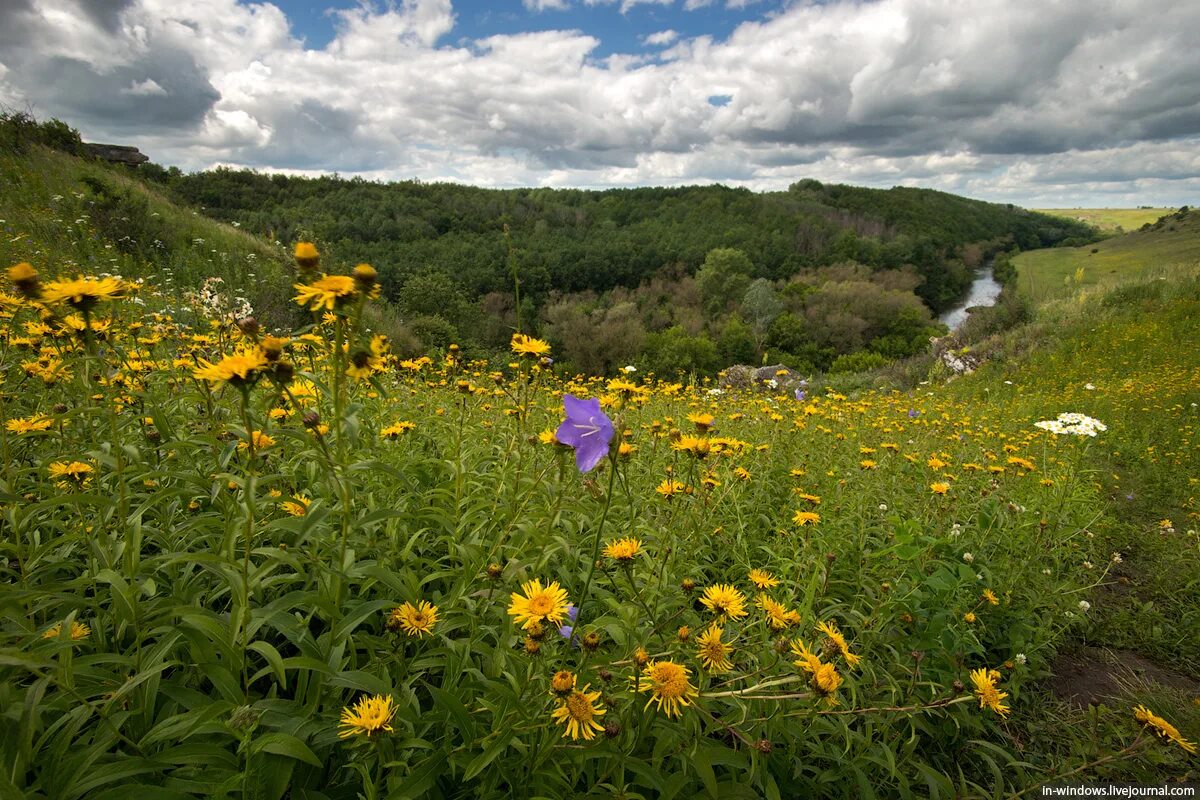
212, 301
1072, 423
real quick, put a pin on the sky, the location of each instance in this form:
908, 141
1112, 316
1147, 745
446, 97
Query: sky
1046, 103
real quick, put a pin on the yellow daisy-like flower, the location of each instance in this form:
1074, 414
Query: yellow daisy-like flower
830, 629
84, 293
239, 369
1162, 728
524, 345
693, 445
623, 550
668, 685
397, 430
34, 424
73, 473
802, 518
415, 620
824, 677
78, 631
538, 603
297, 506
261, 441
990, 597
725, 601
369, 716
763, 579
714, 654
702, 421
867, 463
669, 488
812, 498
326, 292
578, 711
306, 255
985, 689
939, 488
779, 617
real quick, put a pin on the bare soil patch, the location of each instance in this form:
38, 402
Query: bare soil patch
1092, 675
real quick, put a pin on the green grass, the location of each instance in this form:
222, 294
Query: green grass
1045, 275
1114, 220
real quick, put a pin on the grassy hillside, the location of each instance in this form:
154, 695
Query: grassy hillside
73, 215
234, 565
1111, 220
1058, 272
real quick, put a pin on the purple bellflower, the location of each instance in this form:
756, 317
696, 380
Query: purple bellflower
566, 631
586, 429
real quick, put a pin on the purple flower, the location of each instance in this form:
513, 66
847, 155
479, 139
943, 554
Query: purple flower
566, 631
800, 395
912, 412
587, 429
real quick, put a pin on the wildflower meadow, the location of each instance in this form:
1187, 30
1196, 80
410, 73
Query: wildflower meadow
252, 562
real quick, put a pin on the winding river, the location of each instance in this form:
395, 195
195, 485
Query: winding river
984, 291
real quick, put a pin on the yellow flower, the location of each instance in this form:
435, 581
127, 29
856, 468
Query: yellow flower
84, 293
297, 506
623, 550
693, 445
802, 518
261, 441
538, 603
397, 430
415, 620
939, 488
1162, 728
578, 711
325, 292
668, 685
836, 638
778, 615
725, 601
702, 421
33, 424
763, 579
990, 597
239, 369
369, 715
985, 689
563, 683
306, 255
969, 617
824, 677
524, 345
71, 473
812, 498
714, 654
669, 488
867, 463
78, 631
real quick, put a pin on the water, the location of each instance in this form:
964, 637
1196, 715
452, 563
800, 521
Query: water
984, 292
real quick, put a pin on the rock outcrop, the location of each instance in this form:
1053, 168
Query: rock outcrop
116, 153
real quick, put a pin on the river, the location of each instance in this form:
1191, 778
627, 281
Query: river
984, 291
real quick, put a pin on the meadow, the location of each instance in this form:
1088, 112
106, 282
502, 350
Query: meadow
1062, 271
250, 559
1112, 220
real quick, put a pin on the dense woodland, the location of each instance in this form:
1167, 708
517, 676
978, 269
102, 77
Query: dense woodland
674, 280
687, 279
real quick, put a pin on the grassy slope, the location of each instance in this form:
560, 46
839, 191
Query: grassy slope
64, 214
1048, 274
1116, 220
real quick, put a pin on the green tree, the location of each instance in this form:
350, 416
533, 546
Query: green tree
723, 278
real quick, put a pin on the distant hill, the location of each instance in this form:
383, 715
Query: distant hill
1171, 240
576, 240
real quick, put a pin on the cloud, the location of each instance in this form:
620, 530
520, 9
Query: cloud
660, 39
546, 5
1069, 99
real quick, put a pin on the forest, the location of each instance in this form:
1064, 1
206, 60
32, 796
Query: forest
686, 279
